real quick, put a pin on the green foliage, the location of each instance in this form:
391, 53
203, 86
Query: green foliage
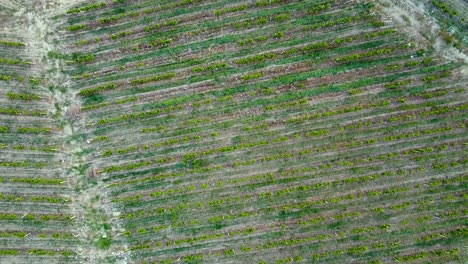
230, 10
90, 91
153, 78
11, 252
38, 181
444, 7
250, 76
12, 43
87, 8
245, 41
161, 42
34, 81
433, 77
319, 8
82, 42
76, 27
412, 257
104, 243
152, 27
7, 216
282, 17
15, 111
398, 84
23, 97
110, 19
256, 59
82, 58
34, 130
278, 34
261, 3
9, 61
358, 250
393, 67
354, 57
169, 23
211, 67
56, 55
121, 34
260, 21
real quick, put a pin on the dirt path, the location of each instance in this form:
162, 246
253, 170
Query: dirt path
32, 23
413, 17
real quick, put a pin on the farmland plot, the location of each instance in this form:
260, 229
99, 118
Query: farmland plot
268, 131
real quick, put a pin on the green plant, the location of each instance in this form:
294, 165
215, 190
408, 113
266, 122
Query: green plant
250, 76
87, 8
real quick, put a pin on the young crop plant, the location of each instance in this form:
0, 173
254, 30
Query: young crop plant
94, 90
278, 34
211, 67
10, 61
23, 96
76, 27
87, 8
121, 34
5, 77
282, 17
444, 7
161, 42
152, 27
153, 78
251, 76
256, 59
262, 3
81, 58
230, 10
9, 43
398, 84
108, 20
319, 8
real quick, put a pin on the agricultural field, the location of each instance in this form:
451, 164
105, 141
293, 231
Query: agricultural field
221, 131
